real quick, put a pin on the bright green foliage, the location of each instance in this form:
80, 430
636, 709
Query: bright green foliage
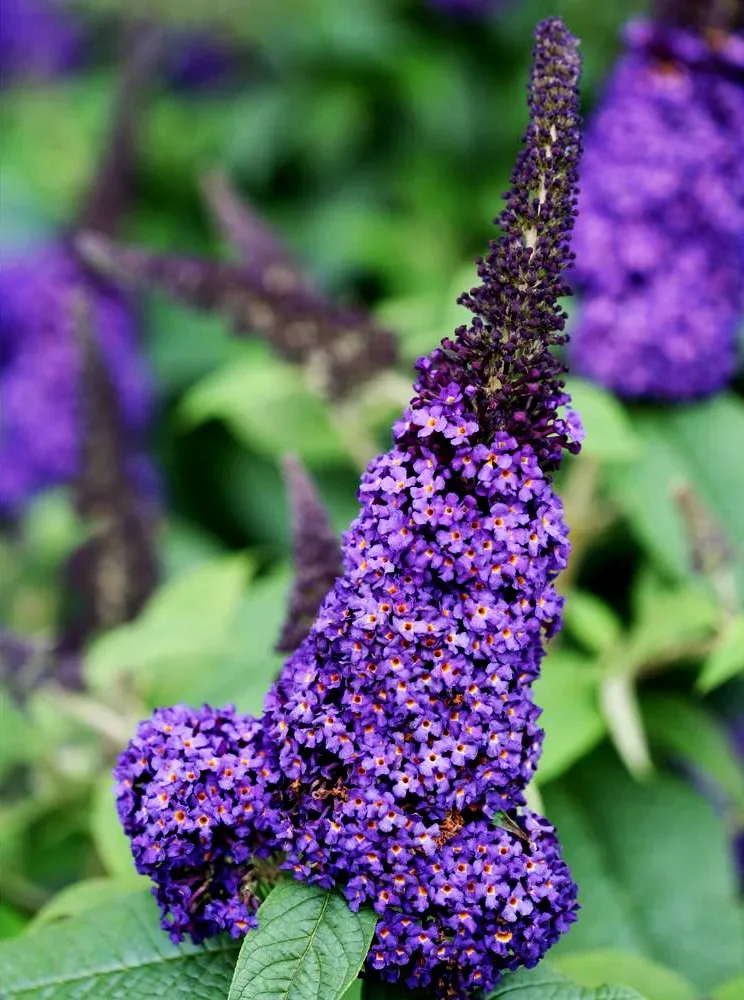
308, 946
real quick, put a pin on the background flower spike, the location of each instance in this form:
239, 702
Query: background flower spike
658, 238
339, 349
111, 575
317, 556
110, 191
254, 241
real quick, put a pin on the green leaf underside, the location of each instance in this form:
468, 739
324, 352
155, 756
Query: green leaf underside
685, 446
114, 953
308, 946
660, 888
653, 981
545, 983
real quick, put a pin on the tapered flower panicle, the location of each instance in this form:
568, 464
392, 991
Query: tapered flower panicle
400, 736
41, 369
404, 725
504, 359
659, 244
267, 294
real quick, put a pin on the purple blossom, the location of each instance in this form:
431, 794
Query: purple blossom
40, 367
660, 234
404, 725
190, 797
38, 40
400, 736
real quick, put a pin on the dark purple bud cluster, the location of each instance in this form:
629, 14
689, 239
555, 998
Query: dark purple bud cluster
659, 236
41, 365
317, 557
190, 796
505, 358
399, 739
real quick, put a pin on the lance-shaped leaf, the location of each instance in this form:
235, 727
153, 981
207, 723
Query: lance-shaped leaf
255, 242
317, 560
112, 574
111, 186
339, 349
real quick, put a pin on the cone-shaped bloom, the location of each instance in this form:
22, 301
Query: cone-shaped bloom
660, 234
400, 736
405, 723
41, 364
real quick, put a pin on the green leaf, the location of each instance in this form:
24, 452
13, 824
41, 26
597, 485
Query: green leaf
188, 618
733, 989
618, 697
610, 436
668, 622
12, 921
567, 692
85, 895
308, 944
545, 983
692, 733
111, 843
114, 953
244, 675
692, 446
592, 622
268, 406
654, 868
16, 734
726, 659
610, 965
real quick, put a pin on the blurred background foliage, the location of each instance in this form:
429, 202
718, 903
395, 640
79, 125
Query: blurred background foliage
377, 137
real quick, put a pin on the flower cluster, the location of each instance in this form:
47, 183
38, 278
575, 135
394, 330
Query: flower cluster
190, 797
40, 367
397, 743
659, 235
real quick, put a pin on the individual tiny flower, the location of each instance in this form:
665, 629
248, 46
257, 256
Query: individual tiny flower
316, 555
189, 797
660, 234
38, 40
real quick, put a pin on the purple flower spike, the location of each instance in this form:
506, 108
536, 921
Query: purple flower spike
404, 725
659, 238
399, 738
504, 360
41, 365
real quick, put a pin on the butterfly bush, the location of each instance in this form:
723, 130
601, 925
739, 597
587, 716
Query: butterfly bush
41, 367
660, 234
395, 747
